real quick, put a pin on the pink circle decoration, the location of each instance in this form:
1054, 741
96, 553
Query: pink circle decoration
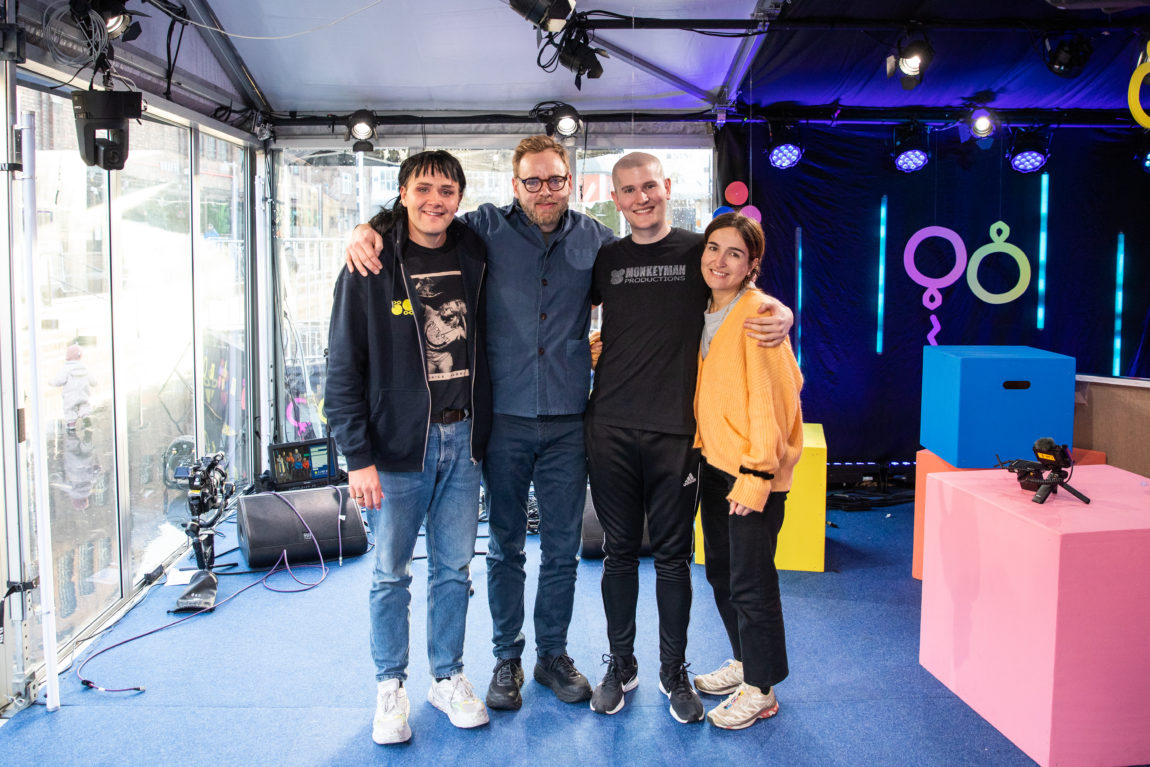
736, 193
721, 210
751, 212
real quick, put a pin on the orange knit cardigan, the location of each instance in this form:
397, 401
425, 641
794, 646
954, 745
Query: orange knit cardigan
747, 409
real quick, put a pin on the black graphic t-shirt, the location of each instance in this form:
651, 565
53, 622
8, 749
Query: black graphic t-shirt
439, 291
653, 298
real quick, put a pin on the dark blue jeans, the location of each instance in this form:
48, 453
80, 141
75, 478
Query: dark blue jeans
548, 451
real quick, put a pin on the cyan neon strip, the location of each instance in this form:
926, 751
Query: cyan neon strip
881, 273
1043, 209
799, 295
1119, 277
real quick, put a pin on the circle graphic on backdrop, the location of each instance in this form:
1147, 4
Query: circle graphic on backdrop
751, 212
999, 231
931, 297
736, 193
721, 210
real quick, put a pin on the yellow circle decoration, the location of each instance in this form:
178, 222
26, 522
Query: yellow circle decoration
1141, 72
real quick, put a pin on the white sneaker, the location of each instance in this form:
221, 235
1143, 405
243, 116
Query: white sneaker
456, 698
391, 710
723, 681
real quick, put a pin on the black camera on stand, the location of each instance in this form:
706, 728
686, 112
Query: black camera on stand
1048, 473
208, 495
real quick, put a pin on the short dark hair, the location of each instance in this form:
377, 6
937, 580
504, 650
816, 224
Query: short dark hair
434, 161
751, 233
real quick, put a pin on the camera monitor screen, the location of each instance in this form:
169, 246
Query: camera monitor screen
302, 463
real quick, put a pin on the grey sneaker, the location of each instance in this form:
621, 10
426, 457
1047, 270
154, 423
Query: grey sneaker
622, 676
391, 712
685, 704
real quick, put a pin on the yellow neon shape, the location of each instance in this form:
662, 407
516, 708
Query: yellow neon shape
1141, 72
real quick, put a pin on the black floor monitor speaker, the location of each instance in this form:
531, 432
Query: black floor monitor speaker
269, 526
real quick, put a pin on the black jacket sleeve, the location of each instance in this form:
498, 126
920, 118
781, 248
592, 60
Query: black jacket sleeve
345, 398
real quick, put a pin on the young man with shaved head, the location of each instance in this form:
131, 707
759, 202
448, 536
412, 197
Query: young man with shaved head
640, 427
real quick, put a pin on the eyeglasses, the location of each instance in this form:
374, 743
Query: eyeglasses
554, 183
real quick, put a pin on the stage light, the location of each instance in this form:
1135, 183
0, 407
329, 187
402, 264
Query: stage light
1066, 55
118, 21
576, 54
558, 118
911, 148
983, 123
1029, 150
547, 15
912, 62
785, 149
361, 125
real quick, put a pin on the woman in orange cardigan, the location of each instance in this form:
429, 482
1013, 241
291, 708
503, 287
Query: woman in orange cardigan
750, 431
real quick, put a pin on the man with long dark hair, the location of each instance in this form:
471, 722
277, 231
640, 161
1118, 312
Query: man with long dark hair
409, 403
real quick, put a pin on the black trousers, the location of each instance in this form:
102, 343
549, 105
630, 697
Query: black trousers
740, 554
636, 474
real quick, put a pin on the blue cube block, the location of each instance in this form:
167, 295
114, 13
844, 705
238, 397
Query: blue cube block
980, 403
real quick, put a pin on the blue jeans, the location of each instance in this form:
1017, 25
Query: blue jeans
446, 495
549, 451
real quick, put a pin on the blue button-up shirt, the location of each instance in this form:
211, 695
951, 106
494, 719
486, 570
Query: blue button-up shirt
538, 309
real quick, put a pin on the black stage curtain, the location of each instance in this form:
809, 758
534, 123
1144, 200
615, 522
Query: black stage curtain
867, 400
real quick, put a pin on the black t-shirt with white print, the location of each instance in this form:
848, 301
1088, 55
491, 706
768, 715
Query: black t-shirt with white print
653, 299
446, 322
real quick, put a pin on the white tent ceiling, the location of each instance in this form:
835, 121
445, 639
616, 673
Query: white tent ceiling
420, 56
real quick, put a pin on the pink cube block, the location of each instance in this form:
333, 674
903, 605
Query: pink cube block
1038, 615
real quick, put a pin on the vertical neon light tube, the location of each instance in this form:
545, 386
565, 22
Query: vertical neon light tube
881, 273
1044, 207
799, 295
1119, 276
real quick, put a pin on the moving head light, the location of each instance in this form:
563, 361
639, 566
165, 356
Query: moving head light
102, 125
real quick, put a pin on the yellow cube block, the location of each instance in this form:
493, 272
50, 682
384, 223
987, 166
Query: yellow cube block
802, 541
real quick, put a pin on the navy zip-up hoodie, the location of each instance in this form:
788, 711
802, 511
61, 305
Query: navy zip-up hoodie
378, 400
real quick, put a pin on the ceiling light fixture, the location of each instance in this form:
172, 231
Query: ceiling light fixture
1066, 55
1029, 150
118, 21
910, 63
361, 125
911, 148
575, 53
547, 15
785, 149
983, 123
558, 118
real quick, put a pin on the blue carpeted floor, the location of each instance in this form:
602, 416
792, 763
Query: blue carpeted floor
286, 679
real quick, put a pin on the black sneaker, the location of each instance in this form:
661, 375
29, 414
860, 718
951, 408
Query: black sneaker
507, 678
621, 677
685, 704
559, 673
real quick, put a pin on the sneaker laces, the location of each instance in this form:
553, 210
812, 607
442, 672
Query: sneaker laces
461, 690
505, 673
565, 665
614, 667
681, 683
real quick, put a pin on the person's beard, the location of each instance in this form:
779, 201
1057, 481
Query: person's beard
549, 218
